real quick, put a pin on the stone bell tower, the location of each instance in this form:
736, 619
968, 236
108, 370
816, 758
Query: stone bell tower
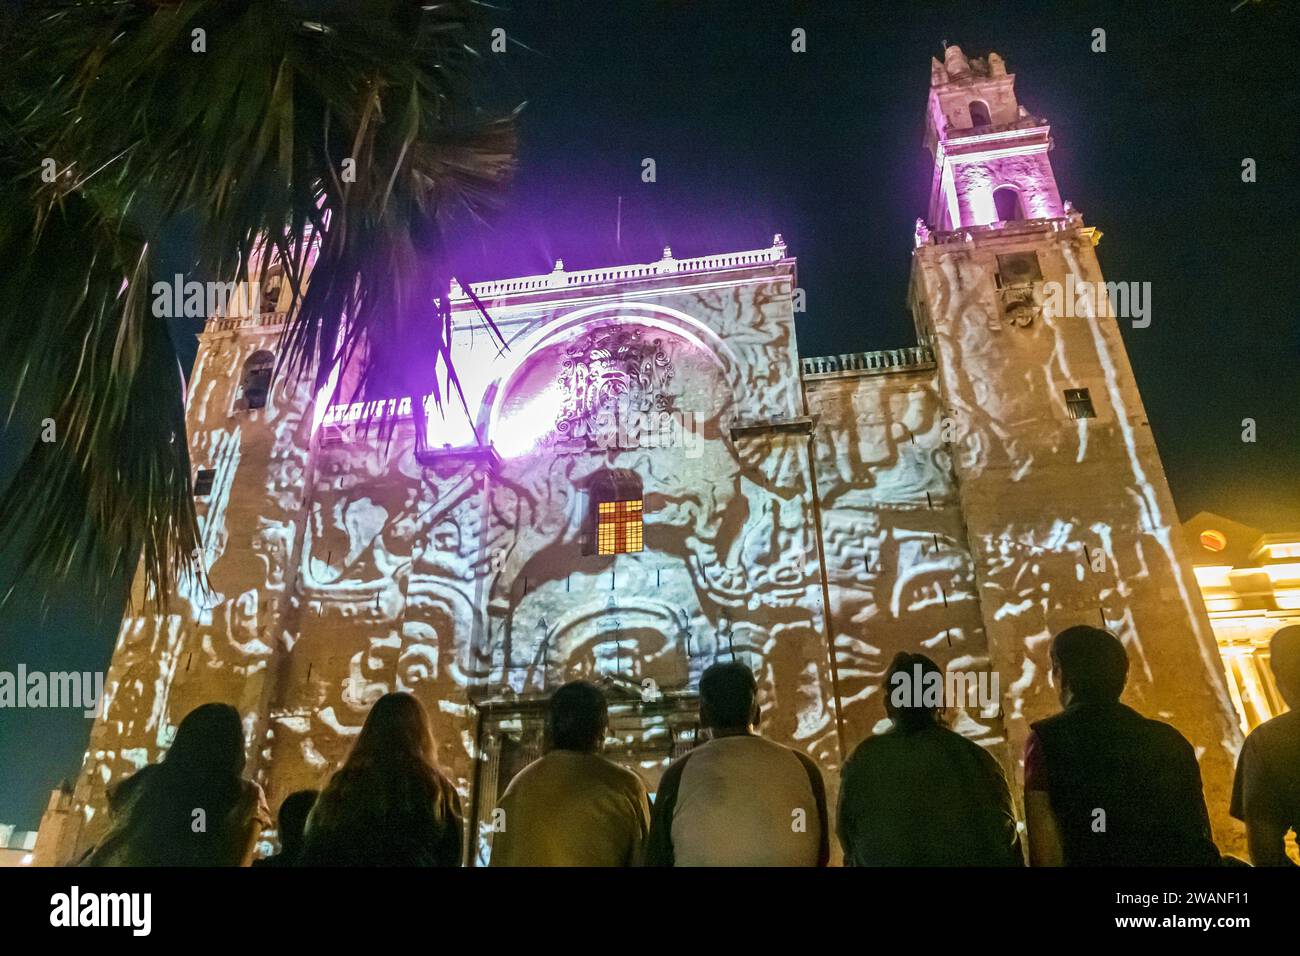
1068, 515
990, 154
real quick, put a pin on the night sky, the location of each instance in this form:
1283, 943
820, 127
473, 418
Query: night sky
750, 139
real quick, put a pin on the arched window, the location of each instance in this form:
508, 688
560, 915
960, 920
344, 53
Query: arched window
615, 522
256, 380
1006, 200
979, 114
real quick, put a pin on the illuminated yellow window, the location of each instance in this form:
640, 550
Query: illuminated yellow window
618, 527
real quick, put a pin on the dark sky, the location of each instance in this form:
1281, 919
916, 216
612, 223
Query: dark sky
750, 138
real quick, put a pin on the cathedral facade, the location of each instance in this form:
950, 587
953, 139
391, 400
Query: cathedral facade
651, 478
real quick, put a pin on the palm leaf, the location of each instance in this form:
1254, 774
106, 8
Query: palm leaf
342, 134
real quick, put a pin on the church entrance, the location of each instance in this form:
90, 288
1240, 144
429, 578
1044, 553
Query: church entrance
644, 736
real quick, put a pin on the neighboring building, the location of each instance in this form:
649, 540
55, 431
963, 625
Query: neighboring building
651, 479
17, 847
1250, 581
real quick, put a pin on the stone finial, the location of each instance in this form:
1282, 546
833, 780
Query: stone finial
668, 252
956, 61
778, 242
938, 75
922, 233
559, 265
996, 65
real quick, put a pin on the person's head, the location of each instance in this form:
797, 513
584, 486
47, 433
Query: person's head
292, 819
577, 718
396, 731
1089, 665
728, 697
910, 699
1284, 657
208, 742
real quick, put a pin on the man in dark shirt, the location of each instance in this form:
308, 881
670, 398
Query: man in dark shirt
1105, 786
1266, 790
921, 794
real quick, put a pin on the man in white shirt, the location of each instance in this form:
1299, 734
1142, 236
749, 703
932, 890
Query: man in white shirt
738, 799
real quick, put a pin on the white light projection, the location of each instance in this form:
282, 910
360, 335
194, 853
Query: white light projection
961, 510
1071, 521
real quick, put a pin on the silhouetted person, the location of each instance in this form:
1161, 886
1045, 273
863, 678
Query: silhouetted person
920, 794
1105, 786
389, 804
1266, 789
194, 808
738, 800
291, 821
573, 807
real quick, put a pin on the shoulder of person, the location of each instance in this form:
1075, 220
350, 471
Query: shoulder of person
674, 769
530, 770
869, 747
1048, 723
123, 790
1275, 730
806, 760
965, 744
1169, 734
628, 777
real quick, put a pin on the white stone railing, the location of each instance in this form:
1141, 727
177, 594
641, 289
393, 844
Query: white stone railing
229, 323
1022, 122
971, 233
913, 356
558, 278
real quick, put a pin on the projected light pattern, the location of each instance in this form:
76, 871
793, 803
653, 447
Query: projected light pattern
964, 512
447, 578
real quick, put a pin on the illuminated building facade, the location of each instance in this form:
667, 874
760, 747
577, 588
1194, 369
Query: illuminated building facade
652, 479
1250, 582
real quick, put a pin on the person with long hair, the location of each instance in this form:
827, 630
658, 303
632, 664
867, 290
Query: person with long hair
194, 808
389, 804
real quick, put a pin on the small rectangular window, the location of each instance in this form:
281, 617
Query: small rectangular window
1079, 403
1018, 268
619, 528
203, 482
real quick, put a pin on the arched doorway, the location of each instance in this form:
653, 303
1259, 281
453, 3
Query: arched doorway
1006, 202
